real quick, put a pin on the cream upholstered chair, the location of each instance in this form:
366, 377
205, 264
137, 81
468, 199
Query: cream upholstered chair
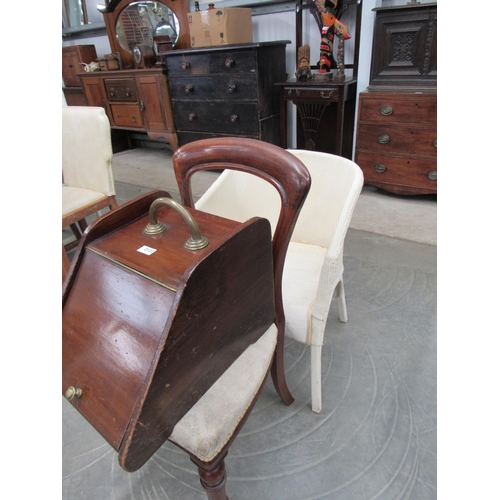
88, 184
208, 429
313, 266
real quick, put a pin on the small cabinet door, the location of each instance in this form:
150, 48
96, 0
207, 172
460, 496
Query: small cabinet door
154, 102
95, 94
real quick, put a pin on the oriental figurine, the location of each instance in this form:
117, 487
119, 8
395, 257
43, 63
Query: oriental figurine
331, 27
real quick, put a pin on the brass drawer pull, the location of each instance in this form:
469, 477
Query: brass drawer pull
192, 117
432, 175
112, 92
387, 110
231, 88
73, 392
229, 63
133, 118
127, 92
383, 138
188, 88
234, 118
380, 168
186, 65
435, 143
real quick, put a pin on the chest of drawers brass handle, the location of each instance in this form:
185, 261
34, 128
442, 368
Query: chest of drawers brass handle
231, 88
435, 143
188, 88
234, 118
73, 392
127, 92
387, 110
383, 138
185, 65
229, 63
379, 168
432, 175
192, 117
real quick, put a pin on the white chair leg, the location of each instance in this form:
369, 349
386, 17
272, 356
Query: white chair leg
316, 378
341, 301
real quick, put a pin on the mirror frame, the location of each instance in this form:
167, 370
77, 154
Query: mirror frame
112, 10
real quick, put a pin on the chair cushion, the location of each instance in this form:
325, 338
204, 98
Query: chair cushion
301, 276
211, 422
74, 198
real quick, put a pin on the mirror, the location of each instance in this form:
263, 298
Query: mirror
140, 21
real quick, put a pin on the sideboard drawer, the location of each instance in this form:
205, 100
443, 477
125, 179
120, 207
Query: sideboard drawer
308, 94
392, 110
121, 89
379, 168
403, 139
127, 115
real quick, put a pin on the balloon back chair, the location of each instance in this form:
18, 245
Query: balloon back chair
88, 184
209, 428
313, 271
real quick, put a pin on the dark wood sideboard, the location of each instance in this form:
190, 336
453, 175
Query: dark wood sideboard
227, 91
396, 140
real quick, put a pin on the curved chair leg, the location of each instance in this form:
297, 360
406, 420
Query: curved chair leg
278, 373
213, 481
341, 301
316, 377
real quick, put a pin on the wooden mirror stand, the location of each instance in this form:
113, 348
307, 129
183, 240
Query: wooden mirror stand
111, 13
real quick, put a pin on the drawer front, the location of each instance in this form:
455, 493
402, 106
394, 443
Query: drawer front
390, 110
215, 87
396, 170
319, 94
121, 89
127, 115
393, 139
227, 62
217, 117
186, 65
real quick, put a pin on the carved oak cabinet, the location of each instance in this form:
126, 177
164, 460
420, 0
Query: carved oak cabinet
396, 141
227, 91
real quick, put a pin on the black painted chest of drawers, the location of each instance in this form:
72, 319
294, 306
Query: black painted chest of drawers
227, 91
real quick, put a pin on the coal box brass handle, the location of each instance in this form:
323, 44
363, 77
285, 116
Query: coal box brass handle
387, 110
383, 138
73, 392
195, 242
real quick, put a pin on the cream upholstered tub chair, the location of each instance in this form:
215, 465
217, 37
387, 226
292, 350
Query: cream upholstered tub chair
313, 268
88, 184
207, 431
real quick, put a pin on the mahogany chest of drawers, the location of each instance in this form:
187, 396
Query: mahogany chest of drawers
227, 91
136, 99
397, 141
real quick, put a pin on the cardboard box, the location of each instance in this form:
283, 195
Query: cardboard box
216, 27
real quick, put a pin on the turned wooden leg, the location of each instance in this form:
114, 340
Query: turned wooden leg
214, 481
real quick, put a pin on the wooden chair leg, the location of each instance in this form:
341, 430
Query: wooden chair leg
278, 372
214, 481
65, 263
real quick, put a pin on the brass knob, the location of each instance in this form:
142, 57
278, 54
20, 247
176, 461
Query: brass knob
186, 65
383, 138
231, 88
112, 92
432, 175
435, 143
133, 118
73, 392
229, 63
127, 92
387, 110
188, 88
191, 117
234, 118
380, 168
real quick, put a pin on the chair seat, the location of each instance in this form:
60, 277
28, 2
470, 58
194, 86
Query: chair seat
210, 423
74, 198
301, 275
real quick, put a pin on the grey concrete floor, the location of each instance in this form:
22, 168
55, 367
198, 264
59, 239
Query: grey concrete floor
376, 434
